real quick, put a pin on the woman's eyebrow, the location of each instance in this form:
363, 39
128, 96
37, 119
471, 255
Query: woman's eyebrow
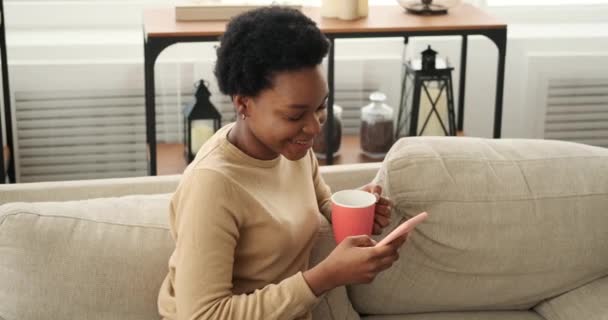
303, 106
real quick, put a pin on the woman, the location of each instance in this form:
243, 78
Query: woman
244, 216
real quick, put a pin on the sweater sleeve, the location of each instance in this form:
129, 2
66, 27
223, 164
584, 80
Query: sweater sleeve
207, 233
322, 190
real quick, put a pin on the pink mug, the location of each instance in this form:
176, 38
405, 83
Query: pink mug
352, 213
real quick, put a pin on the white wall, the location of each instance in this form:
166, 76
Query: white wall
102, 55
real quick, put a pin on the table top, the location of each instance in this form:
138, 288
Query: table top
161, 22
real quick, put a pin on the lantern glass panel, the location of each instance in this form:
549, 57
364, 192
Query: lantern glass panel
200, 131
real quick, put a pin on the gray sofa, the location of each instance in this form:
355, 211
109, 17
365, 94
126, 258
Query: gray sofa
518, 229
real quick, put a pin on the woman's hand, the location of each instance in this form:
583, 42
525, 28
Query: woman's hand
382, 216
354, 260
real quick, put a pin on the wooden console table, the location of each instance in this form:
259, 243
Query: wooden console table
161, 30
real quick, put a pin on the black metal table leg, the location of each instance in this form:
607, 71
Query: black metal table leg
499, 37
330, 104
149, 59
2, 171
501, 44
415, 106
450, 96
10, 169
462, 83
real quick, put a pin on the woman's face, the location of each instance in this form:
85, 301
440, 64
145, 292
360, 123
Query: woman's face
285, 118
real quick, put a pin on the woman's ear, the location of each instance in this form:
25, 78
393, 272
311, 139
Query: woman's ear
241, 105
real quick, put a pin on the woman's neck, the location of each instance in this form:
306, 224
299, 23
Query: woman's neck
241, 137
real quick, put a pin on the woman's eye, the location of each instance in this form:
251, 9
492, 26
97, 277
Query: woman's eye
295, 118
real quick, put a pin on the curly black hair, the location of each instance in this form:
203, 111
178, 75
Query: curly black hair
259, 43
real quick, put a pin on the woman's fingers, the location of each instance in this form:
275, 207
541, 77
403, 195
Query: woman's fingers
377, 229
386, 262
382, 221
383, 210
384, 201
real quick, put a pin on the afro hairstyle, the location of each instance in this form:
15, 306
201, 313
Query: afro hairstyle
260, 43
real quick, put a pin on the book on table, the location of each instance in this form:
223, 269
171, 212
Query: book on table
209, 10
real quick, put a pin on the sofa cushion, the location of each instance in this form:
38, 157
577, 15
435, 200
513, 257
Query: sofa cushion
589, 302
90, 259
487, 315
511, 222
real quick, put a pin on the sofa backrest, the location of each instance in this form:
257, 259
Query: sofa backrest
101, 258
86, 189
511, 223
338, 177
91, 259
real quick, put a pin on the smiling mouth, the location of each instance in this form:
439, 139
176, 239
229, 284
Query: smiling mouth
302, 142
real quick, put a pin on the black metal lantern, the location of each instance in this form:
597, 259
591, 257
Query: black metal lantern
428, 59
201, 121
426, 94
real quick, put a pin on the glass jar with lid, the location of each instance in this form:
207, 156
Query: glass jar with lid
320, 142
376, 127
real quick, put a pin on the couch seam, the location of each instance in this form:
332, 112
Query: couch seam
506, 200
82, 219
468, 158
491, 167
331, 311
443, 165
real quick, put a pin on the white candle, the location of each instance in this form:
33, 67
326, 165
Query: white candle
348, 9
363, 8
433, 127
200, 132
329, 8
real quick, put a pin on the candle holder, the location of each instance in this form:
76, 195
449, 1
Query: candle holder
201, 121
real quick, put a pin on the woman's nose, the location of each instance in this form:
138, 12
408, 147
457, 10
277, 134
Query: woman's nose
313, 126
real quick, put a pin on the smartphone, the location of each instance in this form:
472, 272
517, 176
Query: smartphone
403, 228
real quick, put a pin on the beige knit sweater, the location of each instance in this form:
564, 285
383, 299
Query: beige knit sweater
243, 231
